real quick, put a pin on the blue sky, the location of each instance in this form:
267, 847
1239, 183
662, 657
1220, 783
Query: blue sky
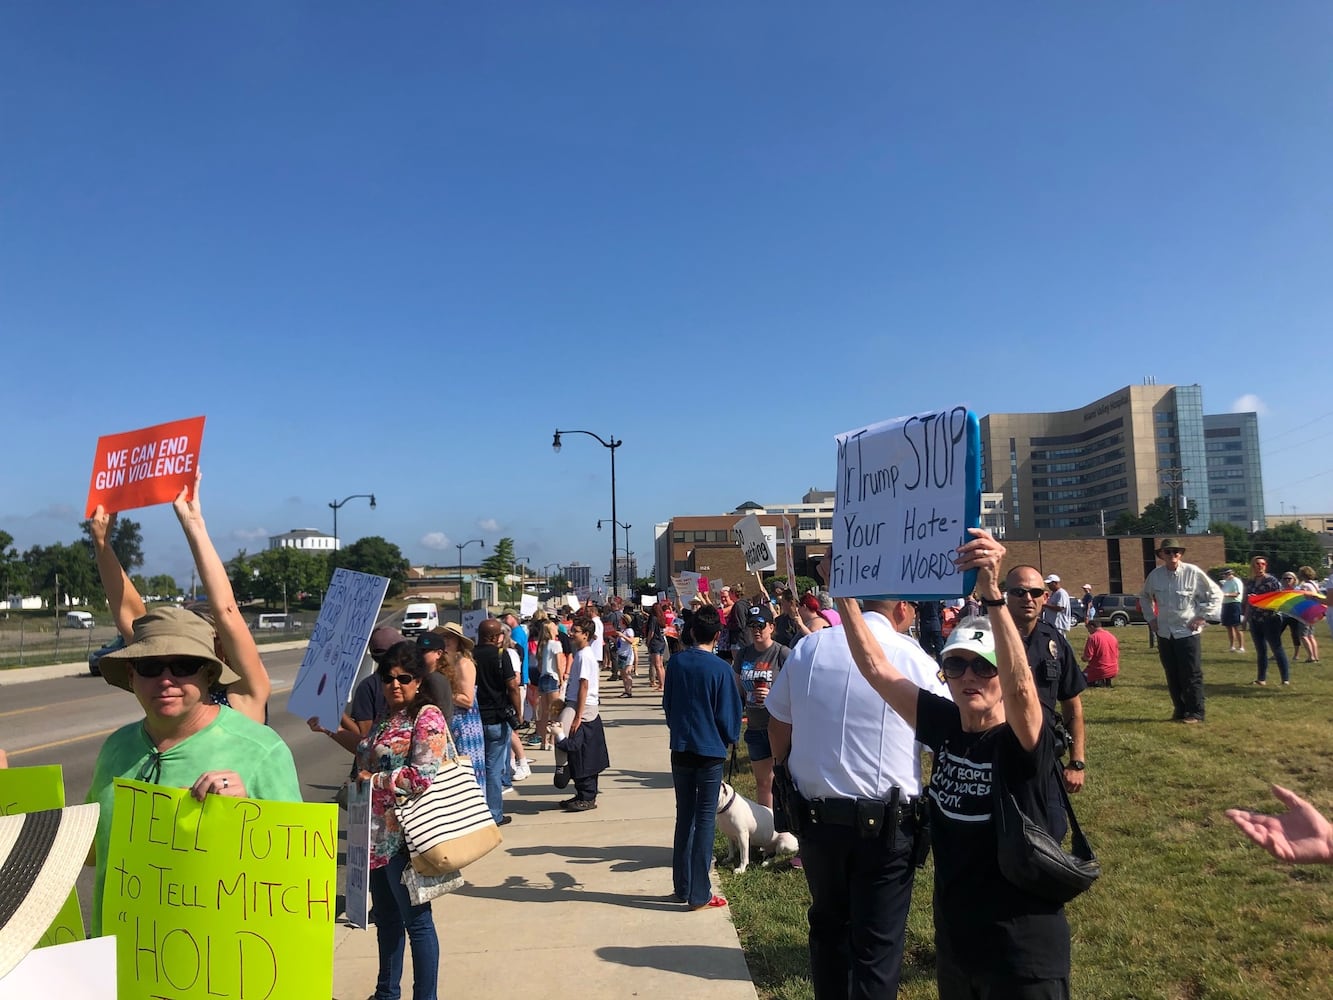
389, 248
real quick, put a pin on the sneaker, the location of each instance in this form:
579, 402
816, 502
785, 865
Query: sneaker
1231, 649
523, 770
509, 790
1240, 649
579, 805
533, 743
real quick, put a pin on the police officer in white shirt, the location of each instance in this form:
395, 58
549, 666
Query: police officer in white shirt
856, 768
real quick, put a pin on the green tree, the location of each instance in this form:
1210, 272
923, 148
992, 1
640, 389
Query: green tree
281, 574
163, 585
13, 572
73, 564
1158, 518
126, 542
1288, 547
558, 584
1237, 540
500, 564
373, 555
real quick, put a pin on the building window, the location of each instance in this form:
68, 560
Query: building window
826, 524
807, 524
678, 536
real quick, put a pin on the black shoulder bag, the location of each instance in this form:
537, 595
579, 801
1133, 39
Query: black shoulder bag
1031, 858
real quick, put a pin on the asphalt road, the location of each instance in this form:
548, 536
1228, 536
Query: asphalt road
64, 721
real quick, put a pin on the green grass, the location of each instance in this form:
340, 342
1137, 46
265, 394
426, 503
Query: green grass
1186, 908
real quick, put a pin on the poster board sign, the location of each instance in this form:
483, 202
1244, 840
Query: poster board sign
647, 600
229, 898
144, 467
83, 969
34, 789
572, 601
339, 641
760, 547
907, 491
527, 605
358, 854
472, 621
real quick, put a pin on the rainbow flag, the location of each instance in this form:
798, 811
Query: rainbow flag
1301, 604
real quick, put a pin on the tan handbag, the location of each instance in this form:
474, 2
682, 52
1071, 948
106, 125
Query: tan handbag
449, 825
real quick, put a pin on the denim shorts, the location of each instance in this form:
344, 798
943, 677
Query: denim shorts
756, 741
548, 685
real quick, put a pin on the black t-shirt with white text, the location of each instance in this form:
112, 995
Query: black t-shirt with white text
983, 922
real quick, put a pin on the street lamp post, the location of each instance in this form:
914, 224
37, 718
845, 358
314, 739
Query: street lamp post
611, 445
517, 560
625, 527
460, 546
334, 505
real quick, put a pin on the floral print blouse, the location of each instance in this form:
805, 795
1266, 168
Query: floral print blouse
385, 754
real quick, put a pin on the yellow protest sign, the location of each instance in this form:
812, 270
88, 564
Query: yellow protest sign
231, 898
32, 789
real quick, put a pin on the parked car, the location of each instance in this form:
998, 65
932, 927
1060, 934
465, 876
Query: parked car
95, 657
1118, 610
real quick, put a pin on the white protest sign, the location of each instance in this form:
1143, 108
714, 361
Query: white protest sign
358, 854
572, 601
472, 621
760, 552
907, 491
83, 969
647, 600
342, 632
527, 605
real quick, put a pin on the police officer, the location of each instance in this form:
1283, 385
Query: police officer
856, 772
1054, 668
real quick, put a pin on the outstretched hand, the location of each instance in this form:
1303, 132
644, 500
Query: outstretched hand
186, 504
985, 555
100, 525
1300, 836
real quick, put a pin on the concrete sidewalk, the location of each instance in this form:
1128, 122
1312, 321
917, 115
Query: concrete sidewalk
577, 901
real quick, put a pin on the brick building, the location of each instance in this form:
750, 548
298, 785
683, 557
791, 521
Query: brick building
1113, 565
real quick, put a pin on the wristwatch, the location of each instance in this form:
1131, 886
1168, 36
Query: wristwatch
1076, 765
999, 603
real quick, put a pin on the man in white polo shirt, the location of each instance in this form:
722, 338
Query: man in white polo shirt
856, 768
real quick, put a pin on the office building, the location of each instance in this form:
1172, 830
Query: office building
1235, 479
306, 539
1072, 473
579, 577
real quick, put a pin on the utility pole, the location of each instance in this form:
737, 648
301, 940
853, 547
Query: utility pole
1173, 479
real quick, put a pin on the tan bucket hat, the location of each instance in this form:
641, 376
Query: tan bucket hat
456, 630
165, 631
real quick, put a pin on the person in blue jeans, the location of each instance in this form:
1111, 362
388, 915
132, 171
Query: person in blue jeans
400, 757
497, 690
703, 715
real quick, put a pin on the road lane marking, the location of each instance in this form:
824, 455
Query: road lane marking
61, 743
62, 704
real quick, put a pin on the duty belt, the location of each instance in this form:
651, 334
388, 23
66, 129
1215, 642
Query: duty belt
870, 817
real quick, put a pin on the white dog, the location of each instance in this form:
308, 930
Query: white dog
747, 824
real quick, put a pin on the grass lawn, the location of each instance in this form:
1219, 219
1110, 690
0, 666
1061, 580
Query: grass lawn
1186, 907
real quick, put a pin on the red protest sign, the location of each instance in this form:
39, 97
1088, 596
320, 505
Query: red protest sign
145, 467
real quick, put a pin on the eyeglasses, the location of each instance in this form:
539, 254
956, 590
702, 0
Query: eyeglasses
179, 668
402, 680
1032, 592
955, 666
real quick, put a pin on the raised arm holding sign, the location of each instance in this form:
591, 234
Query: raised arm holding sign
907, 491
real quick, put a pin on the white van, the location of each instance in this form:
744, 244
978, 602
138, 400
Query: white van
420, 618
265, 622
78, 619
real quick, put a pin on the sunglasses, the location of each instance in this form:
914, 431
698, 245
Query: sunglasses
400, 679
955, 666
1032, 592
178, 668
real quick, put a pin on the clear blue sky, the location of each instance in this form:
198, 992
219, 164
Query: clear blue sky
390, 247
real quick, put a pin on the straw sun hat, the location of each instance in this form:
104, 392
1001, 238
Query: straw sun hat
41, 854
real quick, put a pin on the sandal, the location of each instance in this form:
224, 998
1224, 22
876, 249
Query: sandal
714, 902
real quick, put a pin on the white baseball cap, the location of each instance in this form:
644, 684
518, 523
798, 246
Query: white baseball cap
1052, 579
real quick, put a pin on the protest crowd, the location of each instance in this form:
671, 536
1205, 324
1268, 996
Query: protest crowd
834, 700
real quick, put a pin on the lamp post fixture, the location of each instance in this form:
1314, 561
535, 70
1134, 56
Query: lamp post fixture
625, 528
338, 503
611, 446
460, 546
